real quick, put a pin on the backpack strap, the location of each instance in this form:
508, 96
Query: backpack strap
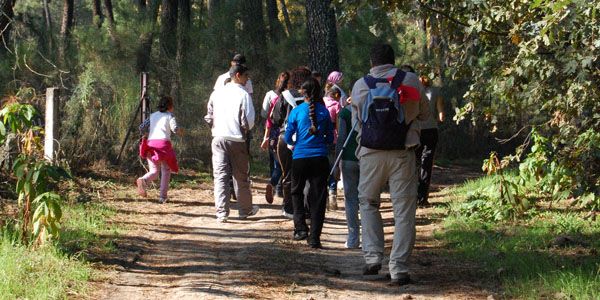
397, 79
372, 81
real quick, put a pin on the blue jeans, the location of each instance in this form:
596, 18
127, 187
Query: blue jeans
275, 169
350, 177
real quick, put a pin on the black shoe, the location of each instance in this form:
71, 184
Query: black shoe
315, 245
371, 269
300, 235
403, 279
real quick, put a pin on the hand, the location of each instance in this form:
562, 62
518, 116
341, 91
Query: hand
441, 117
265, 144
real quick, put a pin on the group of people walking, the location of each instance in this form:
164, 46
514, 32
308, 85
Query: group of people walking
377, 132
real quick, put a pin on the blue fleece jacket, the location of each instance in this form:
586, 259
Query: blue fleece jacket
307, 145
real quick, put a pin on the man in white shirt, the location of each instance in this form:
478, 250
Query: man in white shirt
238, 59
233, 117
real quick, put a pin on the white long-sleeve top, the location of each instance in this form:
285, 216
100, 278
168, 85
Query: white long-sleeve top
233, 112
162, 124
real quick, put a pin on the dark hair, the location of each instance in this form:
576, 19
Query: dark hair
241, 69
227, 80
331, 90
316, 74
312, 90
165, 103
282, 82
382, 54
407, 68
239, 59
298, 76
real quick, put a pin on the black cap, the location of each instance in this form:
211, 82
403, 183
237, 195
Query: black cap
239, 59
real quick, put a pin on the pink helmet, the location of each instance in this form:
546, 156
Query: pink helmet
335, 77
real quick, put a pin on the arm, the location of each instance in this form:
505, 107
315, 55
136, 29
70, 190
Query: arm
174, 128
291, 128
342, 133
248, 108
209, 111
265, 105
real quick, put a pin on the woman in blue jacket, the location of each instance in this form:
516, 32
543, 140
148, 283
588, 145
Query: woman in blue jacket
309, 131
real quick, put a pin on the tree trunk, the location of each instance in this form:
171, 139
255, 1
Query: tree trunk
141, 5
168, 45
6, 18
286, 17
145, 41
212, 7
253, 37
275, 27
322, 36
185, 19
96, 13
65, 29
108, 9
49, 33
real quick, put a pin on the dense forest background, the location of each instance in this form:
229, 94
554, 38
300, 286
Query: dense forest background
509, 71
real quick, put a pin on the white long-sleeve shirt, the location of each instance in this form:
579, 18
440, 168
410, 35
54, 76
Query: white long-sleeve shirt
232, 109
162, 124
221, 83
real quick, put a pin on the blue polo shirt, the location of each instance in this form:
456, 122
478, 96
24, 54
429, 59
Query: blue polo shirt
306, 144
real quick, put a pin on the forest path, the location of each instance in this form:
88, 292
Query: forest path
179, 251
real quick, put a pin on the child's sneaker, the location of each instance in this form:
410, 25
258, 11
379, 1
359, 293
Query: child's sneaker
141, 187
222, 219
253, 212
162, 200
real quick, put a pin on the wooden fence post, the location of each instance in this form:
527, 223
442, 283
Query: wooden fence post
52, 121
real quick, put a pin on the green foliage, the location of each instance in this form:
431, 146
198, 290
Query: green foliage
34, 175
522, 257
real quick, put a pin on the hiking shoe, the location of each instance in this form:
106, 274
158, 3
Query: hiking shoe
402, 279
253, 212
300, 235
141, 187
269, 193
315, 245
286, 215
222, 219
332, 202
351, 246
371, 269
162, 200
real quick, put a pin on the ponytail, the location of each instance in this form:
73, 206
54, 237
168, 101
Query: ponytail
312, 91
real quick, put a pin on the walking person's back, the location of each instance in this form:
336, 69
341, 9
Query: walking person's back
386, 158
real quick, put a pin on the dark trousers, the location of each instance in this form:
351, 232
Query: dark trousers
425, 153
285, 160
315, 170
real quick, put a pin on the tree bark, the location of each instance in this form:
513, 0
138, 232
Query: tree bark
145, 41
212, 7
253, 37
141, 5
286, 17
108, 9
275, 27
168, 45
96, 13
185, 19
48, 19
65, 29
322, 36
6, 18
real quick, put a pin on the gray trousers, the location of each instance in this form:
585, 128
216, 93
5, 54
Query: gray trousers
376, 168
231, 158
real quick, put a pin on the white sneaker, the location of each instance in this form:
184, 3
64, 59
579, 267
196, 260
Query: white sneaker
288, 216
253, 212
222, 219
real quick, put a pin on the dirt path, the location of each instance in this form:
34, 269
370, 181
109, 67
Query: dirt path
179, 251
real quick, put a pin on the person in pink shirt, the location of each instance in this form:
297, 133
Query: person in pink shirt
332, 103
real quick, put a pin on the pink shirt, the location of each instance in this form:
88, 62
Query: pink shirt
334, 107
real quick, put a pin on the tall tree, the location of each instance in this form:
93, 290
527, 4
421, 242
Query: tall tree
48, 20
96, 13
6, 18
286, 17
148, 14
185, 20
252, 39
275, 27
168, 45
322, 36
65, 29
108, 9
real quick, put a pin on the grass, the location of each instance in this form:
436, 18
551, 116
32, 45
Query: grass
520, 254
58, 270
